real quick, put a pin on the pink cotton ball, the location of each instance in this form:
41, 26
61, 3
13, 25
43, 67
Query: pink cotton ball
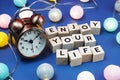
4, 20
112, 72
76, 12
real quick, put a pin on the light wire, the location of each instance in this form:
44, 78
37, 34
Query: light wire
95, 3
13, 70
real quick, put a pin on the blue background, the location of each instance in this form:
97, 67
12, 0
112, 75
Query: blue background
26, 70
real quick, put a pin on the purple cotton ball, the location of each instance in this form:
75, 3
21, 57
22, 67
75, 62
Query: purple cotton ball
76, 12
112, 72
4, 20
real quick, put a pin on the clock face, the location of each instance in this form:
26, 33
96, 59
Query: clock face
31, 43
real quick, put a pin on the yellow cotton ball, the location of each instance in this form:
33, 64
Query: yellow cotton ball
12, 39
53, 0
3, 39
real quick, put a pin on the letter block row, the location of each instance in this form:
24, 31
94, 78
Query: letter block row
74, 28
80, 55
72, 42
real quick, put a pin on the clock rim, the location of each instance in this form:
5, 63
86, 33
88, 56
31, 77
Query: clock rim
30, 57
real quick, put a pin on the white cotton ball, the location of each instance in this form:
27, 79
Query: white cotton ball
26, 13
55, 15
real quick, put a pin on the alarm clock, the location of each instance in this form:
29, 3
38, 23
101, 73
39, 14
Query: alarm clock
28, 35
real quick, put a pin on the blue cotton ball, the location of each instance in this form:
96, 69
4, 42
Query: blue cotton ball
110, 24
20, 3
4, 71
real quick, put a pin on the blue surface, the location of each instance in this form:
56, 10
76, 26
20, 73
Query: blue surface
26, 70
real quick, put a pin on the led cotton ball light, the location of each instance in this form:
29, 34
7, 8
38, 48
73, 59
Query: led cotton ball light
3, 39
45, 71
53, 0
4, 71
84, 0
118, 38
110, 24
26, 12
76, 12
55, 15
4, 20
20, 3
85, 75
112, 72
117, 6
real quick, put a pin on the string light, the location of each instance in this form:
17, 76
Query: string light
4, 71
110, 24
55, 15
3, 39
4, 21
85, 75
45, 71
20, 3
112, 72
84, 1
3, 68
76, 12
118, 38
117, 6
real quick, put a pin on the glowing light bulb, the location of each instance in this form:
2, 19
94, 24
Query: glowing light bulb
112, 72
55, 15
26, 13
76, 12
110, 24
45, 71
4, 20
20, 3
4, 71
85, 75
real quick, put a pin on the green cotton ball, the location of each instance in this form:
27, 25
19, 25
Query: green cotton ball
118, 38
4, 71
20, 3
110, 24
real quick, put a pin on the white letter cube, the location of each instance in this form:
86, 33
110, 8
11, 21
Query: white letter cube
98, 53
85, 29
55, 43
61, 56
78, 40
51, 31
67, 42
86, 53
73, 28
63, 31
95, 27
89, 40
75, 58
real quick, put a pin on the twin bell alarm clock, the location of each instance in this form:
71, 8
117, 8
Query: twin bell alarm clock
27, 34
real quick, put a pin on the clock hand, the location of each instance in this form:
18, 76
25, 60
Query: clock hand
25, 40
32, 48
36, 37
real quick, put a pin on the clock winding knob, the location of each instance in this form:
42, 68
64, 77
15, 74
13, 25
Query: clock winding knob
37, 19
16, 26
